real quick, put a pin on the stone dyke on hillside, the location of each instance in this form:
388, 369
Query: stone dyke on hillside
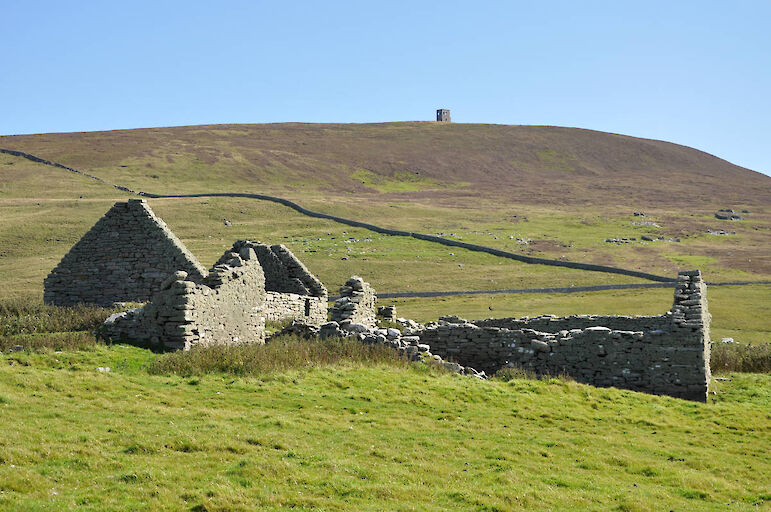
356, 303
227, 306
124, 257
664, 355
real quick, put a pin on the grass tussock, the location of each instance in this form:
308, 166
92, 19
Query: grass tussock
28, 316
516, 373
281, 354
511, 373
735, 357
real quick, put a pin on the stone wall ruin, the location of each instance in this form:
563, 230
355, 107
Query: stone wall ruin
293, 291
664, 355
356, 303
129, 253
225, 307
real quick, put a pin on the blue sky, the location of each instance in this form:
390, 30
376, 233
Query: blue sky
696, 73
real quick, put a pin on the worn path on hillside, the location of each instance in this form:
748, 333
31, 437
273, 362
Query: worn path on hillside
378, 229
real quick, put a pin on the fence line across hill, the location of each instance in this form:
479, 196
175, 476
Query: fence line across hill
666, 281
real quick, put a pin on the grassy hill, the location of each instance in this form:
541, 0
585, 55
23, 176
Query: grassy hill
525, 164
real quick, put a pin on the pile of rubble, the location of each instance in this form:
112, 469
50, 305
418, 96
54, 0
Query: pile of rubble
643, 238
620, 240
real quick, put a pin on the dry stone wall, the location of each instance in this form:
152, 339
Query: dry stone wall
553, 323
228, 306
286, 306
666, 355
124, 257
356, 303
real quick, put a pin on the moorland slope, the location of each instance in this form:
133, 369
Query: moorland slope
435, 161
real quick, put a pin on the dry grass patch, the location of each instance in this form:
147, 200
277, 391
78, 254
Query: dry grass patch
735, 357
281, 354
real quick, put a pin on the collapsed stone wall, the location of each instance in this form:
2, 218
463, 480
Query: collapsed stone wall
667, 355
356, 303
124, 257
387, 313
227, 306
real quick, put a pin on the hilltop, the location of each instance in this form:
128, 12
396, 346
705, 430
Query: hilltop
436, 162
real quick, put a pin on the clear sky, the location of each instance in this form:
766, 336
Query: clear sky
692, 72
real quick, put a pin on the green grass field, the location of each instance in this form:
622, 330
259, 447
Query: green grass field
366, 437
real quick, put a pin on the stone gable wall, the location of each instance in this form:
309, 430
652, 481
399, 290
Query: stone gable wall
124, 257
285, 273
228, 306
666, 355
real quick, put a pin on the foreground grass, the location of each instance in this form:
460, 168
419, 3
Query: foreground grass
282, 354
365, 437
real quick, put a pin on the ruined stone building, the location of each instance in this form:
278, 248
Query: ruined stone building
130, 253
227, 306
443, 115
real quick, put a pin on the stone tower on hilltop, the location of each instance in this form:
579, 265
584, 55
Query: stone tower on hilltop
443, 115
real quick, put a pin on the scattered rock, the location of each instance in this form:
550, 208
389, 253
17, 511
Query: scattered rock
728, 215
